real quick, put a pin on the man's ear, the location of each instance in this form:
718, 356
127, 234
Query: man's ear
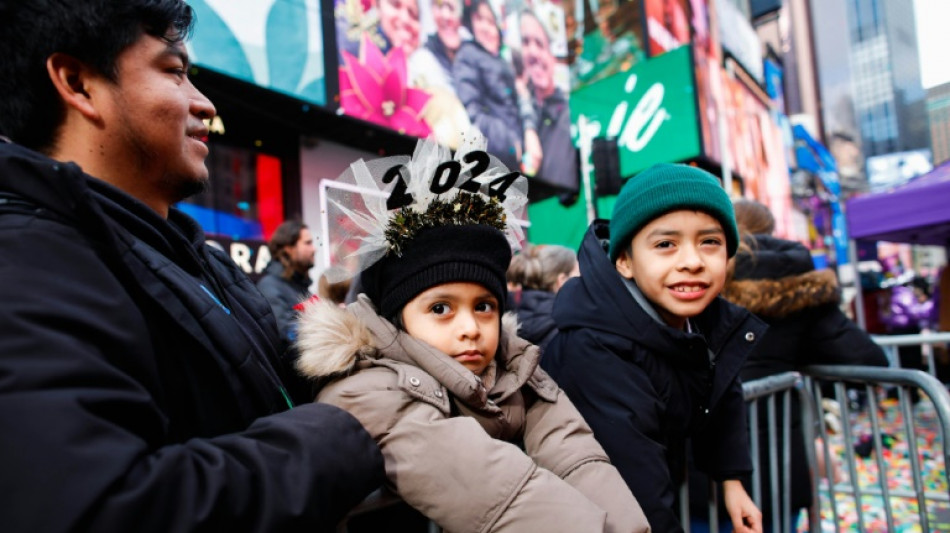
624, 265
71, 79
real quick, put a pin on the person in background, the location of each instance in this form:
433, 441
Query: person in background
485, 85
776, 280
286, 280
141, 386
543, 270
649, 353
558, 164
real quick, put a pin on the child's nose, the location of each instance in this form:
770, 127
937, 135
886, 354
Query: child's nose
468, 326
690, 259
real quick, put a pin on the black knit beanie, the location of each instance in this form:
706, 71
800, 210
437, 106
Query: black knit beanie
445, 254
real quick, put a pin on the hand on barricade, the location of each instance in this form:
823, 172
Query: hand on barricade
746, 517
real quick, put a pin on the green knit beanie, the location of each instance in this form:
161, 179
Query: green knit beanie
663, 188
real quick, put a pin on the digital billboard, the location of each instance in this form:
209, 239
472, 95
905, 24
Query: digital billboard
439, 67
667, 24
650, 110
606, 37
276, 44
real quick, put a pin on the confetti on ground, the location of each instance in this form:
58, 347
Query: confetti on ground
898, 473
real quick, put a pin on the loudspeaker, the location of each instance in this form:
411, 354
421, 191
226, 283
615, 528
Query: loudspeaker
606, 157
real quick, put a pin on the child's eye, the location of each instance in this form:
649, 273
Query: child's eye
439, 308
664, 244
712, 242
486, 307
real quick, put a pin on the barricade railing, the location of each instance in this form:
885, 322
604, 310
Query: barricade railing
873, 489
927, 342
773, 394
811, 388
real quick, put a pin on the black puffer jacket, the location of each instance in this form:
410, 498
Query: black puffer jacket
486, 87
645, 387
535, 323
138, 389
778, 282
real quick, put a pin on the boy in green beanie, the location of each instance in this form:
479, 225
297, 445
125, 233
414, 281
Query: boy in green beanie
649, 353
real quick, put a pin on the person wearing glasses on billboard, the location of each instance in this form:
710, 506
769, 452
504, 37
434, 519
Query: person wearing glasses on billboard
558, 165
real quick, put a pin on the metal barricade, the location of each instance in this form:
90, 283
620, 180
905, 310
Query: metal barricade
926, 341
773, 394
870, 482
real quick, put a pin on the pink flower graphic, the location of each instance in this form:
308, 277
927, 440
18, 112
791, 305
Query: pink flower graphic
375, 89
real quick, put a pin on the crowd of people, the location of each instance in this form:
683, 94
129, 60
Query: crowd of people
146, 384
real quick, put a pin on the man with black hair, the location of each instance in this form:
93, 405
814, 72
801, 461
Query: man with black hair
139, 383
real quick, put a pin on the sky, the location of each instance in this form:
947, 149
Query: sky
933, 38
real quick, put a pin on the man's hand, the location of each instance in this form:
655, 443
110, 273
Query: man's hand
746, 517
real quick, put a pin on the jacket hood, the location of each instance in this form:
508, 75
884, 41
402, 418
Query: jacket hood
333, 341
778, 279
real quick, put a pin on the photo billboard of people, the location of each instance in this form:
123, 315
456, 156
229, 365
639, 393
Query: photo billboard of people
609, 39
437, 67
667, 24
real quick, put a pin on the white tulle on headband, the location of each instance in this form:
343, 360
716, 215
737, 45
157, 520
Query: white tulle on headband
377, 205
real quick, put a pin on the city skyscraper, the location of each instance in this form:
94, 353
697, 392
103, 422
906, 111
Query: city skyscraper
888, 98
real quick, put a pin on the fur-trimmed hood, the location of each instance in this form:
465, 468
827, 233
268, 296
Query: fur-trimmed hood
778, 279
333, 342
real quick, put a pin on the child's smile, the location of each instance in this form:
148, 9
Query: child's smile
679, 263
461, 319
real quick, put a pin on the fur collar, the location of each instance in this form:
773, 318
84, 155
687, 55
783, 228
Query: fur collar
779, 298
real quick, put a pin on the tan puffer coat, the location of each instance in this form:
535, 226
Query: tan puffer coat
515, 458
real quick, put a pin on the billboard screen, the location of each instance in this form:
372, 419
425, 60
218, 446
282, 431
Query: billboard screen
607, 38
650, 110
277, 44
667, 24
437, 67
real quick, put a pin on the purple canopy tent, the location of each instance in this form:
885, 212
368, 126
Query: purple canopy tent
915, 213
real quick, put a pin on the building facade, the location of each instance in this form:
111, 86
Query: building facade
938, 113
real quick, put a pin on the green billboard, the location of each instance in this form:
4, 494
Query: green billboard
650, 109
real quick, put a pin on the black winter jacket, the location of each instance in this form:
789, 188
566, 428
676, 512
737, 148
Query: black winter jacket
283, 294
138, 389
778, 282
559, 163
535, 323
645, 388
486, 87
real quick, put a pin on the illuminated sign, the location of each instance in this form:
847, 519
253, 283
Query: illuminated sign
654, 117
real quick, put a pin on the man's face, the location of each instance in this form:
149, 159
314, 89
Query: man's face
536, 51
153, 117
447, 20
302, 253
